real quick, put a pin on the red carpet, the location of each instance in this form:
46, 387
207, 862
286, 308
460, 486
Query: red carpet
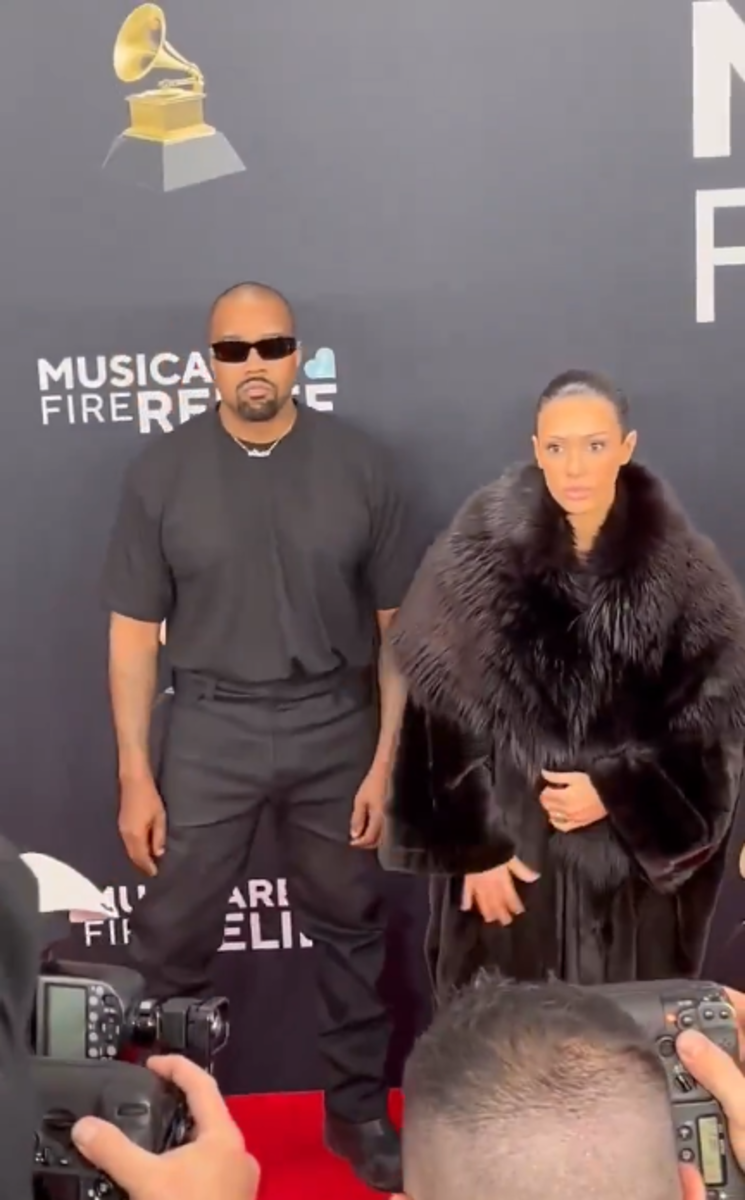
285, 1134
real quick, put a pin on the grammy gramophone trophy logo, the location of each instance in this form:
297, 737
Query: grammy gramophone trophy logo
168, 144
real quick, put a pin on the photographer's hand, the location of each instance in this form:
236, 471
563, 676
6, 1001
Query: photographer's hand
737, 1000
717, 1072
215, 1164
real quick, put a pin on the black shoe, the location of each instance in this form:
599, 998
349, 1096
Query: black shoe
372, 1149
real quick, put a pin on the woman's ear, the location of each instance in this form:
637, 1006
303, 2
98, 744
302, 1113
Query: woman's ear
629, 446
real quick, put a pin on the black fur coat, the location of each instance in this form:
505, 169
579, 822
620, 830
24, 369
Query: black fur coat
629, 666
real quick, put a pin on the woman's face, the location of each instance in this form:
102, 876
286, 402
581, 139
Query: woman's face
580, 447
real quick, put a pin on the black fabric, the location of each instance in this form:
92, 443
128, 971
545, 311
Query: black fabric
265, 568
300, 755
633, 934
628, 666
20, 957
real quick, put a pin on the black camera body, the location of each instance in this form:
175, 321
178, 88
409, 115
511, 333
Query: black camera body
663, 1010
87, 1011
145, 1108
87, 1016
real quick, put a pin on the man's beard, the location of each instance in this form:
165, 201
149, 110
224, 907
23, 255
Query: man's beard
258, 410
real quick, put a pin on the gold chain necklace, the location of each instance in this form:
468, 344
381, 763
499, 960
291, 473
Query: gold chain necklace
253, 451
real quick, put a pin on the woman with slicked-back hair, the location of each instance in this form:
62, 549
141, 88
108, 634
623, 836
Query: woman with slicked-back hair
572, 750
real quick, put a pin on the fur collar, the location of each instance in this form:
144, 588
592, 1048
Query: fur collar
505, 628
519, 511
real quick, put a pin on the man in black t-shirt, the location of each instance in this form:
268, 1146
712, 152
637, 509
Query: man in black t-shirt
272, 541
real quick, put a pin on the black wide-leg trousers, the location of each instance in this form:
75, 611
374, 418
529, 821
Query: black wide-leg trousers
301, 750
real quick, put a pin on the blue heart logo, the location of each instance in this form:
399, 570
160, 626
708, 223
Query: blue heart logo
322, 366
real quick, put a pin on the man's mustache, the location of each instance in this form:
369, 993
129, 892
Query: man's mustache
256, 379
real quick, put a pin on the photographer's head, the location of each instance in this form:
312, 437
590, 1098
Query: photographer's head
538, 1092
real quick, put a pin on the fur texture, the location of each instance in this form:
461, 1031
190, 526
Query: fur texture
630, 667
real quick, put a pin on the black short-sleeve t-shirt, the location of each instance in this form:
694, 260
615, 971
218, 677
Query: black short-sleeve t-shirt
264, 568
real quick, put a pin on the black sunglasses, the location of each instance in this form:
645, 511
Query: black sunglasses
269, 349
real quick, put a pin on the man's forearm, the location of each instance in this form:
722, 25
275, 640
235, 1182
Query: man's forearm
133, 676
392, 692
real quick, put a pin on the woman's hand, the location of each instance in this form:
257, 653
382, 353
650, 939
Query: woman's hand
571, 800
494, 894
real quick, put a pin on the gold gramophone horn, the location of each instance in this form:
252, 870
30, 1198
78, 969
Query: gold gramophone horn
141, 47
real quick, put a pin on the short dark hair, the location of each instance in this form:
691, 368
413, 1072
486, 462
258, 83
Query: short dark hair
256, 288
536, 1092
587, 383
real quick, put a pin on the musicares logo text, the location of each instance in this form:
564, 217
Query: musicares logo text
155, 392
258, 917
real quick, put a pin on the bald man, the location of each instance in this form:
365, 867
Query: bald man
539, 1092
273, 541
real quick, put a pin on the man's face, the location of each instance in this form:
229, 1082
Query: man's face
257, 387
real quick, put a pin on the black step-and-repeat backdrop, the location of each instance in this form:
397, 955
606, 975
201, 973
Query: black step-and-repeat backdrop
462, 200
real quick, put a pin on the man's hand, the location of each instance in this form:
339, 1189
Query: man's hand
571, 800
494, 894
142, 823
215, 1166
737, 1000
368, 813
716, 1071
